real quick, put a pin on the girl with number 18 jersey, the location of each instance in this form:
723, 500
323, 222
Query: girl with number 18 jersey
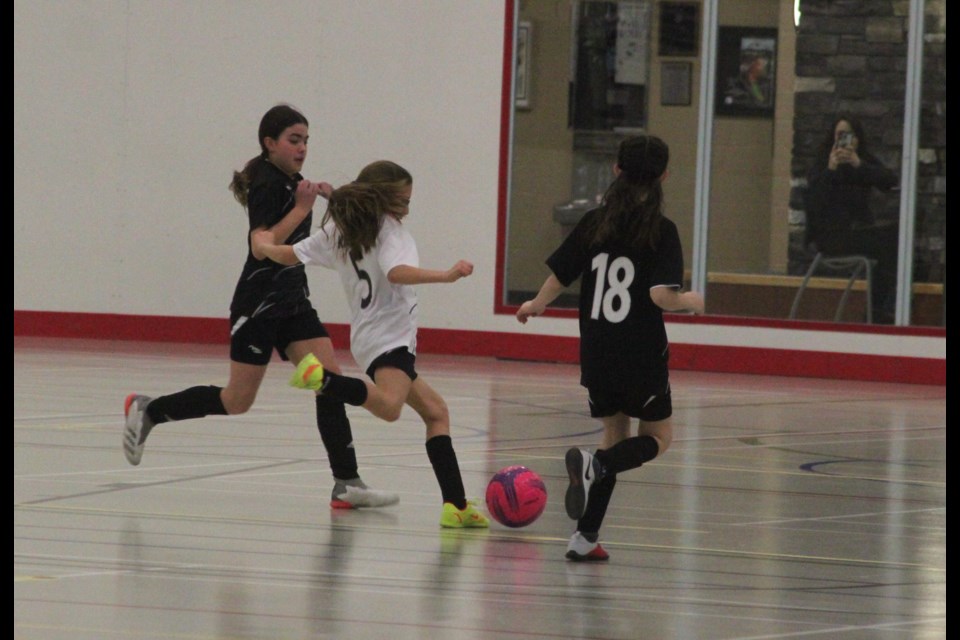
629, 260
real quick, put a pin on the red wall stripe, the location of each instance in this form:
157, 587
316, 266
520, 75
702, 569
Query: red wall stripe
510, 346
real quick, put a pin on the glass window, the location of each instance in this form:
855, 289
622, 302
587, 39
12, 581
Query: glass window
783, 72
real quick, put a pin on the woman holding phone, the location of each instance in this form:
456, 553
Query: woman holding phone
840, 220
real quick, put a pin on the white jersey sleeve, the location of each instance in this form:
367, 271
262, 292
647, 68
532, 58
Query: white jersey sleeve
395, 246
319, 249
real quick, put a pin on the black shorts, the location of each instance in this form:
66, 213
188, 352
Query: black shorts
399, 358
645, 406
252, 340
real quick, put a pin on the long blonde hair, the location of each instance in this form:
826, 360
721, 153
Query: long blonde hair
358, 208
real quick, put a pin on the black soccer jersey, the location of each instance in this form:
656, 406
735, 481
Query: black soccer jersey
623, 341
267, 289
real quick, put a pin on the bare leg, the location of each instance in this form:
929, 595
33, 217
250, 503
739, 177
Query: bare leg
616, 428
661, 431
431, 407
386, 398
193, 402
241, 390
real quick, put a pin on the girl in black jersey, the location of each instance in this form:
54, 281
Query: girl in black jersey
270, 311
630, 262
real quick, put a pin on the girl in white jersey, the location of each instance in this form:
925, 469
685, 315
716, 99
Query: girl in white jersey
362, 237
627, 256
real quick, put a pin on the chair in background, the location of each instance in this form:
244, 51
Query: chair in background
853, 266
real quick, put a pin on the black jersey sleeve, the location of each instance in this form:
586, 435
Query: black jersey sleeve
571, 258
668, 266
265, 206
272, 195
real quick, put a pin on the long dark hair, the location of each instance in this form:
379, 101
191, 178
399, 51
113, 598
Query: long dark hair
358, 208
826, 144
273, 123
631, 208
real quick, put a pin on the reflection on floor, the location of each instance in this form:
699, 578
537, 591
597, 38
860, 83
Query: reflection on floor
785, 508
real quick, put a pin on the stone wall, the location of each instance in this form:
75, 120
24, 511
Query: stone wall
851, 57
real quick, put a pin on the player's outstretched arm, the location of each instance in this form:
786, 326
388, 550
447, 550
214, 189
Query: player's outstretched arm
549, 291
671, 299
407, 274
262, 245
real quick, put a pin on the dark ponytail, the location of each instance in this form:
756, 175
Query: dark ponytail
632, 206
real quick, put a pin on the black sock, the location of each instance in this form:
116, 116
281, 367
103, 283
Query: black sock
447, 469
195, 402
353, 391
600, 494
334, 427
628, 454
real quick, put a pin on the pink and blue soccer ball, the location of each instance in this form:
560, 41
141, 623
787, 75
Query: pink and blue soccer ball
516, 496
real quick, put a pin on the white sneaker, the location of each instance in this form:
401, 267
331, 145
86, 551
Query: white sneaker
136, 427
354, 494
579, 549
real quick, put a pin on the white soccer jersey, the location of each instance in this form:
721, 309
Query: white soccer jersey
383, 316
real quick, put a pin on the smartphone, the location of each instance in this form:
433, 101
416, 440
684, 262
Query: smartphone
845, 140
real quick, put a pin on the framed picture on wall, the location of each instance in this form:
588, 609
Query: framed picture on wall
675, 83
522, 70
746, 72
678, 28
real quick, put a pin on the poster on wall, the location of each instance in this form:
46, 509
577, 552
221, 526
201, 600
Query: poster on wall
746, 72
633, 34
675, 83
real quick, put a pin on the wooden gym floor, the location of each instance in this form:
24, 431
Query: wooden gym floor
786, 508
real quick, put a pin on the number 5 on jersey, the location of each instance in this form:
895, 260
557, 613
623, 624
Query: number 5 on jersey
364, 277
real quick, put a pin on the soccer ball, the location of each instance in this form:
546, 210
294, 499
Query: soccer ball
516, 496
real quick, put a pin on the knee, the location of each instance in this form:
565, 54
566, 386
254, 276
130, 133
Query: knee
236, 404
388, 409
663, 442
238, 409
661, 432
437, 413
391, 413
664, 445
